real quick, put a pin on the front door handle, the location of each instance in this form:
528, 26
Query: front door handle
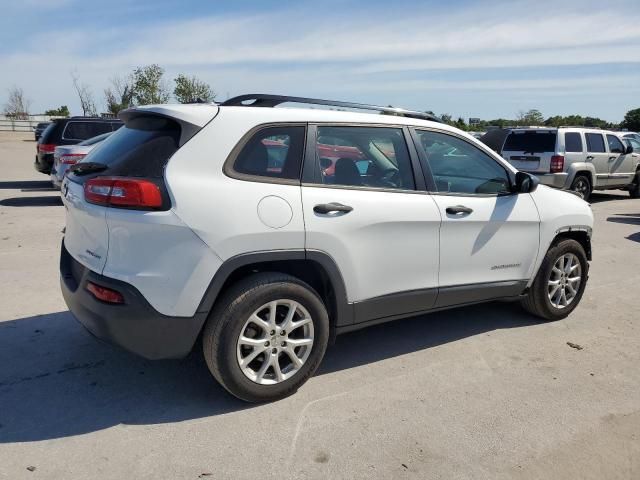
459, 210
332, 207
612, 158
590, 157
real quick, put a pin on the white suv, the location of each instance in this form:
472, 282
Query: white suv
269, 230
575, 158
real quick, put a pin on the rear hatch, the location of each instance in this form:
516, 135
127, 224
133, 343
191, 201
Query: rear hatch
530, 150
136, 154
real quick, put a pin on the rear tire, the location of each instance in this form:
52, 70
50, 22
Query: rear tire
634, 191
250, 350
555, 285
582, 185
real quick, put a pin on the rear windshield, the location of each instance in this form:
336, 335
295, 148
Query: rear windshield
85, 130
95, 140
139, 149
531, 142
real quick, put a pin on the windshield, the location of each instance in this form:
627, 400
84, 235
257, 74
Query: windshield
531, 141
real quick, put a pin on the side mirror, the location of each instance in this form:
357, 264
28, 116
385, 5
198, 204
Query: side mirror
525, 183
628, 150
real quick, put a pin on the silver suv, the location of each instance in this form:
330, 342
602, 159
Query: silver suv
575, 158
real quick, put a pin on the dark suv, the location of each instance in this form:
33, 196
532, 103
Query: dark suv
69, 131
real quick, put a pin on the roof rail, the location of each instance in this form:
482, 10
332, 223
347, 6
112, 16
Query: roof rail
265, 100
579, 126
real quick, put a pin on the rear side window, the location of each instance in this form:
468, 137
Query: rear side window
85, 130
139, 149
595, 143
615, 145
530, 141
572, 142
274, 152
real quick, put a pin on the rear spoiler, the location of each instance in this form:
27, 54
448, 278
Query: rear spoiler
192, 118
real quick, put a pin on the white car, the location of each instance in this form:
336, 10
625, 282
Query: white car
66, 155
575, 158
230, 223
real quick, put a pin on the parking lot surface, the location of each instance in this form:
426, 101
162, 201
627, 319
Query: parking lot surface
478, 392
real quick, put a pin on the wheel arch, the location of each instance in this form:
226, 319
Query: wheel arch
580, 168
314, 267
580, 235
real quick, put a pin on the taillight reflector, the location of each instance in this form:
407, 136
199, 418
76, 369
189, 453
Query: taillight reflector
123, 192
46, 147
71, 158
105, 294
557, 163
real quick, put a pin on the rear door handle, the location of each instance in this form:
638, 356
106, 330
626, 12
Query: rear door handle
590, 157
612, 158
459, 210
325, 208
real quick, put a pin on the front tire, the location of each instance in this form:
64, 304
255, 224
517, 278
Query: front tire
560, 282
266, 337
582, 185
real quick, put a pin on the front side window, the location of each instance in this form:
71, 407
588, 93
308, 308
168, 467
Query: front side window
273, 152
459, 167
635, 144
595, 143
373, 157
615, 145
572, 142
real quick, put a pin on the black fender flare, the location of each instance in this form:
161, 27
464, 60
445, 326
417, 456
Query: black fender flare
344, 310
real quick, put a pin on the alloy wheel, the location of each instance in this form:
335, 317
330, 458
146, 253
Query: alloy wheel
275, 342
564, 281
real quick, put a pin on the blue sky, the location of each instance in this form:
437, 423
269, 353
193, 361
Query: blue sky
484, 59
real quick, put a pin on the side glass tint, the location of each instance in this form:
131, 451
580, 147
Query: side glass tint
364, 157
615, 145
460, 167
595, 143
273, 152
572, 142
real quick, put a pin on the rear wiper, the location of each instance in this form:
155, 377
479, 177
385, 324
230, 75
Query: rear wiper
83, 168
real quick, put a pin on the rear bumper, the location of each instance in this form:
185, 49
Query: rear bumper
135, 325
555, 180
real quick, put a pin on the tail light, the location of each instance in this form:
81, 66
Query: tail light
105, 294
71, 158
46, 147
557, 163
122, 192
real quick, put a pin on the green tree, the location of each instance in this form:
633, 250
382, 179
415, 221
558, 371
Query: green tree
632, 120
192, 90
531, 117
447, 118
460, 123
148, 85
62, 111
119, 95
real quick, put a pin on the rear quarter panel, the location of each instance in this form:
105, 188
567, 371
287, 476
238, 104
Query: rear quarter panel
223, 211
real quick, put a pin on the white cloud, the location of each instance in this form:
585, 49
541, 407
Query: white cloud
380, 51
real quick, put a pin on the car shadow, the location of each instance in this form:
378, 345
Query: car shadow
597, 197
48, 201
25, 184
629, 219
56, 380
